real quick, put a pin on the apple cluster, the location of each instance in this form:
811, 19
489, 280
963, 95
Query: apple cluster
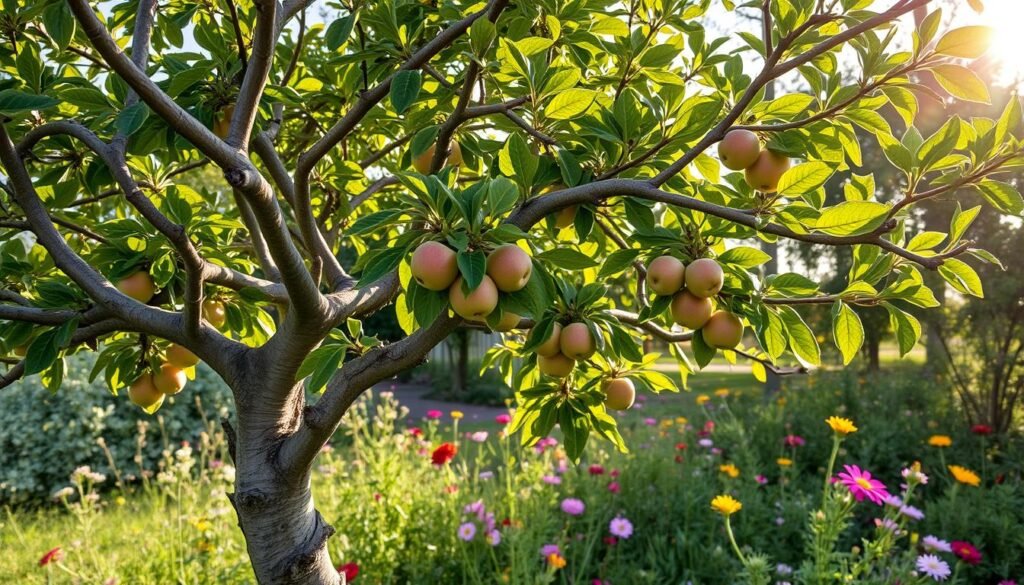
692, 288
435, 267
740, 150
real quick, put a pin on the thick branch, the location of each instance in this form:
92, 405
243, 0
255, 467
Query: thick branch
256, 73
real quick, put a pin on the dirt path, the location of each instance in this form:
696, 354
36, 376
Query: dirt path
413, 397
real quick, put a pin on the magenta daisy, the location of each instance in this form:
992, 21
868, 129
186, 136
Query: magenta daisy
621, 527
573, 506
933, 566
862, 485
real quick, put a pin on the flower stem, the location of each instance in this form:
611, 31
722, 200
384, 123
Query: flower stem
732, 540
836, 441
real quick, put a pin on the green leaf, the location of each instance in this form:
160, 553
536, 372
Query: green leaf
568, 259
847, 331
907, 328
1003, 196
617, 261
961, 83
744, 256
131, 118
13, 101
940, 144
852, 217
801, 338
320, 364
382, 263
968, 42
45, 349
405, 88
60, 24
570, 103
804, 178
473, 266
773, 334
338, 32
962, 277
575, 431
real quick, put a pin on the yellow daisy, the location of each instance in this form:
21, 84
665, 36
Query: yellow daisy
730, 470
784, 461
457, 414
702, 399
964, 475
841, 426
726, 505
940, 441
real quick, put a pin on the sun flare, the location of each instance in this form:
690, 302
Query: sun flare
1007, 49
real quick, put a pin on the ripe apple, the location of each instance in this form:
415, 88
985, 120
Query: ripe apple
576, 342
739, 149
422, 162
689, 310
510, 267
552, 345
765, 173
138, 285
557, 365
565, 217
723, 330
507, 322
704, 277
170, 379
434, 265
476, 305
619, 393
222, 121
215, 313
143, 392
180, 356
665, 275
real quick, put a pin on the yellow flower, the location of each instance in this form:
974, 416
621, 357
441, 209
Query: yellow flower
556, 561
940, 441
667, 423
784, 461
681, 420
841, 426
781, 401
457, 414
730, 470
964, 475
726, 505
120, 501
702, 399
722, 392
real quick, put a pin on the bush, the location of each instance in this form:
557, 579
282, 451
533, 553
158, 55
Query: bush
66, 429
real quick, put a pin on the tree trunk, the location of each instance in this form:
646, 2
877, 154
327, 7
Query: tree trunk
460, 372
285, 536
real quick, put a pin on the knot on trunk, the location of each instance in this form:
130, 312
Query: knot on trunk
253, 500
305, 559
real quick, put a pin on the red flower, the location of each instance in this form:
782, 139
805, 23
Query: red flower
53, 556
610, 540
506, 522
451, 488
444, 453
680, 446
967, 552
614, 473
981, 430
614, 487
350, 571
679, 458
596, 469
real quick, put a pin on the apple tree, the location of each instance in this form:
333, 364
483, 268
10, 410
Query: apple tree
580, 175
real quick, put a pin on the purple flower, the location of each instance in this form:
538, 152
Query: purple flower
551, 479
620, 527
936, 544
467, 531
493, 538
933, 566
485, 475
705, 443
650, 421
912, 512
476, 508
573, 506
550, 549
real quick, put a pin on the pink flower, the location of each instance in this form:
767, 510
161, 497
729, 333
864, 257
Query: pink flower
479, 436
503, 419
416, 432
52, 556
966, 551
551, 479
614, 473
794, 441
434, 414
573, 506
862, 485
544, 443
550, 549
760, 479
614, 487
467, 531
650, 421
620, 527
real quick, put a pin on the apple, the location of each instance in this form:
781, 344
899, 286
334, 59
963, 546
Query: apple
142, 392
434, 266
689, 310
422, 162
138, 285
508, 322
665, 275
704, 277
576, 342
476, 305
723, 330
619, 393
765, 173
180, 356
552, 345
739, 149
509, 267
565, 217
557, 365
170, 379
215, 313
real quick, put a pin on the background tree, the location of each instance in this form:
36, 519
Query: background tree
528, 125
